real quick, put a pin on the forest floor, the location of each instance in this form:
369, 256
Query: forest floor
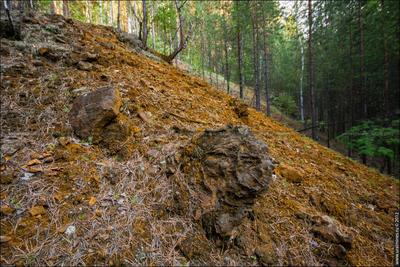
66, 201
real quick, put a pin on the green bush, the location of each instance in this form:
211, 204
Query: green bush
286, 104
370, 138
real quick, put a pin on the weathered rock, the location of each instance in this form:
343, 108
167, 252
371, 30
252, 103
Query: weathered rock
290, 174
53, 52
266, 254
326, 228
334, 243
82, 65
93, 112
130, 39
239, 108
107, 45
90, 57
226, 170
195, 247
80, 91
113, 134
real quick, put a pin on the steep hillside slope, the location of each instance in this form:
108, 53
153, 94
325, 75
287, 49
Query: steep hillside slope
68, 201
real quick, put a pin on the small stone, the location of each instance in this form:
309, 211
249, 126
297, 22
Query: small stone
89, 57
80, 91
82, 65
144, 116
70, 230
290, 174
37, 63
267, 254
26, 176
37, 210
195, 246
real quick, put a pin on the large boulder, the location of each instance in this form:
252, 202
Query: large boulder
93, 113
225, 171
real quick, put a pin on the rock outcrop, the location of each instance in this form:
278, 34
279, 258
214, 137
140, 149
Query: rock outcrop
92, 112
336, 241
95, 117
226, 170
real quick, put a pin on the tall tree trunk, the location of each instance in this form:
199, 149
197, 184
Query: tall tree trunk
144, 30
203, 56
362, 63
8, 8
182, 40
153, 34
240, 60
119, 15
21, 10
101, 11
352, 102
301, 83
311, 73
256, 59
386, 108
66, 9
87, 11
226, 58
210, 62
111, 13
52, 7
267, 99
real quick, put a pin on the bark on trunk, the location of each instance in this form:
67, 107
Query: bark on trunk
301, 83
52, 7
256, 60
267, 100
66, 9
386, 108
362, 63
101, 11
240, 54
144, 30
226, 60
311, 73
119, 15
